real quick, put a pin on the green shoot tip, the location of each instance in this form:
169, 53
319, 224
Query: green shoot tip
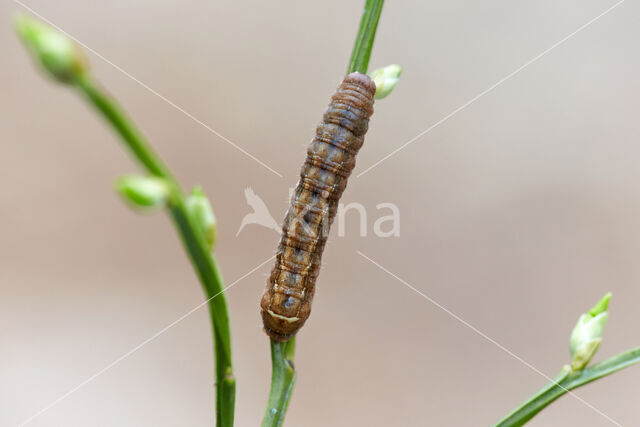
56, 53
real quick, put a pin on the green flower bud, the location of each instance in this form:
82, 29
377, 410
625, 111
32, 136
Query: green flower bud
386, 79
587, 334
201, 213
144, 192
55, 52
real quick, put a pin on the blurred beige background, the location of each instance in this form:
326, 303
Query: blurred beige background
517, 213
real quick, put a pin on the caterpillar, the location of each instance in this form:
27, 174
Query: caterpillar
331, 156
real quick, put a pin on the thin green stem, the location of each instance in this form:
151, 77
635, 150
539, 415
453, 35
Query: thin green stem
565, 382
125, 127
537, 402
283, 377
366, 34
194, 243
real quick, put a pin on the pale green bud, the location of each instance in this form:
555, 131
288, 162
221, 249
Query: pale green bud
144, 192
386, 79
58, 55
201, 213
587, 334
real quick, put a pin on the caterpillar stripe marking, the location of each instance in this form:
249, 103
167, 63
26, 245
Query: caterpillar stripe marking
331, 156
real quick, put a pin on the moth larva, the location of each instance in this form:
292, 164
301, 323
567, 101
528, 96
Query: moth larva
331, 156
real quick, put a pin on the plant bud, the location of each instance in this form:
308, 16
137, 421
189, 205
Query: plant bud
144, 192
587, 334
58, 55
202, 215
386, 79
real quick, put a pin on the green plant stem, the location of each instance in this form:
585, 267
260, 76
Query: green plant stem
366, 34
194, 243
283, 377
566, 381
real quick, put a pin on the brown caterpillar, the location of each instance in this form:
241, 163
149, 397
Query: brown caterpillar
331, 156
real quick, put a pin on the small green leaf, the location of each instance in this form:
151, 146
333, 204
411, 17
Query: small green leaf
202, 215
144, 192
56, 53
386, 79
601, 306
